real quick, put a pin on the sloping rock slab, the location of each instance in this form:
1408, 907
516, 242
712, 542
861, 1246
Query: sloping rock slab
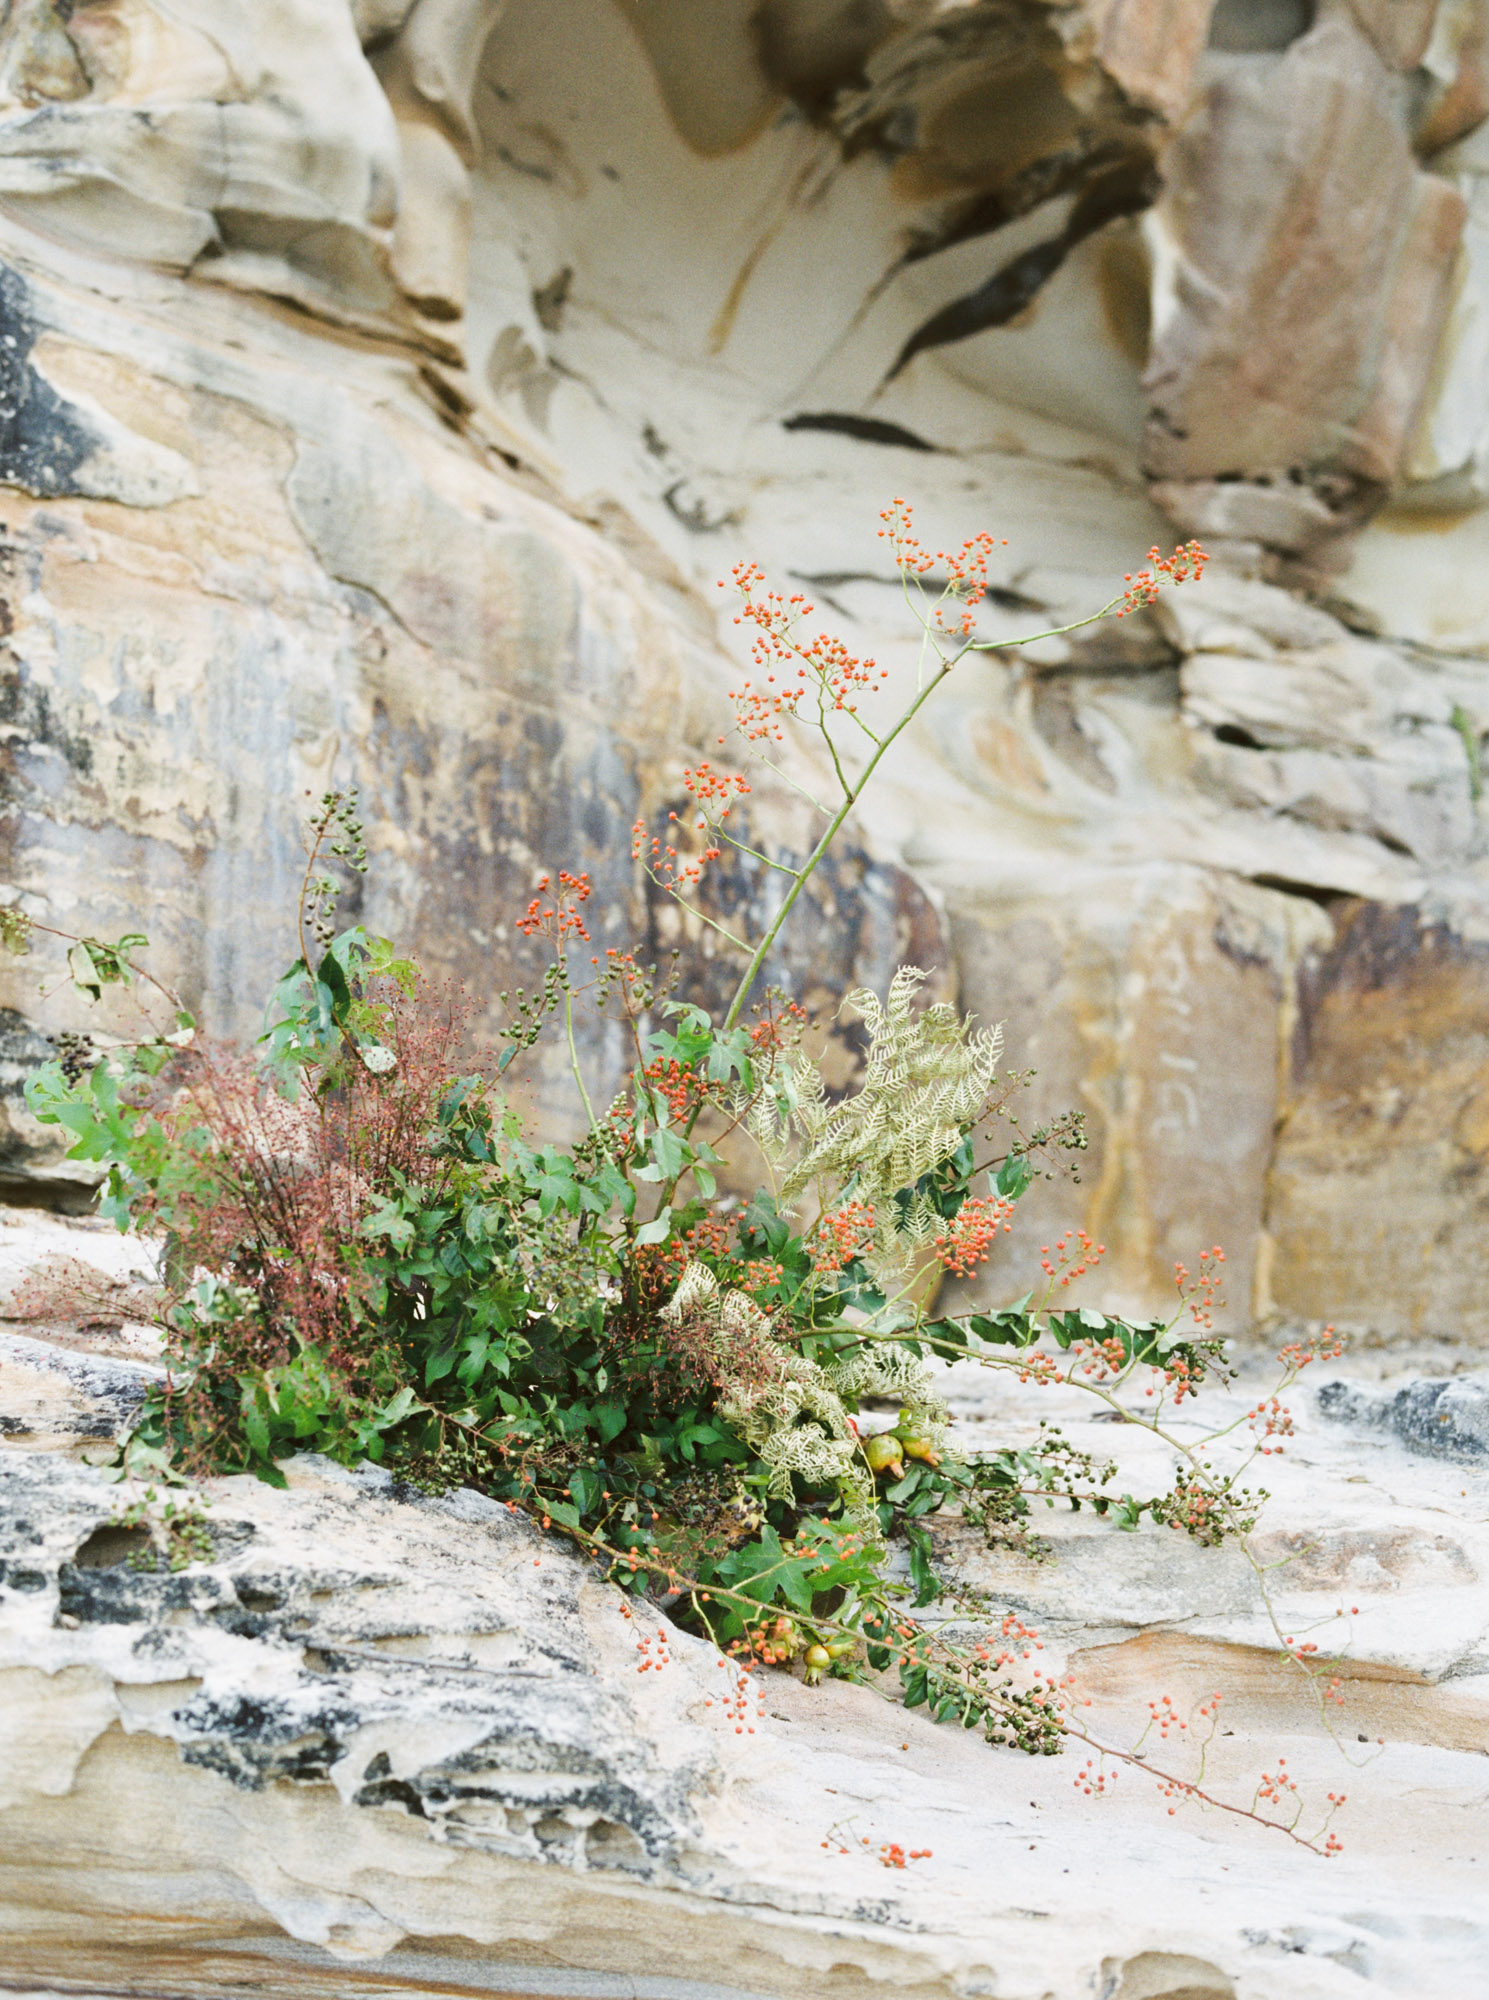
378, 1743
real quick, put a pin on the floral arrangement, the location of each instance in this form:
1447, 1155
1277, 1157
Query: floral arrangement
702, 1341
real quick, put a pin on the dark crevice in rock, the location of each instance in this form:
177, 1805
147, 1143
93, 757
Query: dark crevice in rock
1126, 190
256, 1595
26, 712
57, 1196
995, 302
109, 1546
868, 430
1287, 885
1055, 174
392, 1792
42, 442
694, 514
812, 53
551, 300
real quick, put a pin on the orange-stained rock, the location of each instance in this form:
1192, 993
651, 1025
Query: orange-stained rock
1378, 1199
1151, 47
1154, 1001
1455, 67
1312, 262
1400, 29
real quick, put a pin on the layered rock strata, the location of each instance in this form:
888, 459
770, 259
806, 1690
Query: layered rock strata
386, 386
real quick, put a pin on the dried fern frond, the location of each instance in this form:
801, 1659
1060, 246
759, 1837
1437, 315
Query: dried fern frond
927, 1078
883, 1368
793, 1417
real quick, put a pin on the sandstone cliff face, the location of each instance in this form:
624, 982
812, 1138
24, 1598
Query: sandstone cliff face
383, 387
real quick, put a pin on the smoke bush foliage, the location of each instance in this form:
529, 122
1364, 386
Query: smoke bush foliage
729, 1398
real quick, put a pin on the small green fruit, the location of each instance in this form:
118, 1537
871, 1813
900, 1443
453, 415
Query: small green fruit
883, 1452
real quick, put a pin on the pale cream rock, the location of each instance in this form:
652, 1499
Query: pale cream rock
1157, 1007
1446, 460
246, 132
399, 1741
1152, 48
1402, 30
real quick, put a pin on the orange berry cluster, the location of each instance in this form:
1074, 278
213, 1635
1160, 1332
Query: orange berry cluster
1274, 1785
779, 1028
967, 580
1269, 1420
892, 1855
1180, 1375
967, 1240
790, 667
1327, 1346
1201, 1293
1022, 1636
774, 1642
1188, 560
1039, 1369
735, 1700
562, 916
667, 868
667, 865
706, 785
1195, 1506
661, 1658
843, 1234
1078, 1261
1101, 1358
1166, 1716
708, 1238
1094, 1782
680, 1086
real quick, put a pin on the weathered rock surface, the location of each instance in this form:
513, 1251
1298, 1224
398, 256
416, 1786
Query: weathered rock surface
1312, 266
385, 386
378, 1743
1382, 1114
1448, 1419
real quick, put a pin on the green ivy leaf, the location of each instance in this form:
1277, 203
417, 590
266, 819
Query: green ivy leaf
922, 1575
1013, 1177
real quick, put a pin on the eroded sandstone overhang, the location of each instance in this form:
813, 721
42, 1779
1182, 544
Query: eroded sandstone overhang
386, 386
